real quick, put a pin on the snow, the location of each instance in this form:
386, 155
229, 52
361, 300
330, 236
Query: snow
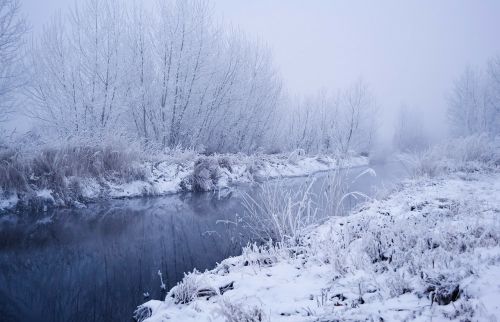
485, 290
8, 202
45, 194
393, 259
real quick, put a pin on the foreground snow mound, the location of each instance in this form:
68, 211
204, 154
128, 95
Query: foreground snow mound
430, 251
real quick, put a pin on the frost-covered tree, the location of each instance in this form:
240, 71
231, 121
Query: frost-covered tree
12, 30
78, 70
357, 117
214, 88
475, 100
330, 123
493, 79
140, 77
170, 76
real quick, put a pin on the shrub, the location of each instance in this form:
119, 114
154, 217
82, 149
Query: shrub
206, 173
462, 154
191, 287
475, 148
426, 163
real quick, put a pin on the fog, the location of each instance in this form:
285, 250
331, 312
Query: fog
408, 52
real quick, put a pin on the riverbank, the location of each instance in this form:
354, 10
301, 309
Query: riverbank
429, 250
72, 178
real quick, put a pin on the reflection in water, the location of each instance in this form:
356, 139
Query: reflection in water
96, 264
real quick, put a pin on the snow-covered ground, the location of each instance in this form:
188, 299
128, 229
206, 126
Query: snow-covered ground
430, 251
191, 172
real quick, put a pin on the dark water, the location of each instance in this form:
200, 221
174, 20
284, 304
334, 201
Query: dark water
97, 263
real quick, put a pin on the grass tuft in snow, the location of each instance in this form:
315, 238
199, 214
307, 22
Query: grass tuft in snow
232, 312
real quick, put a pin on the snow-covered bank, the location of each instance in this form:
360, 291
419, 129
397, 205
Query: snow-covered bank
208, 173
181, 172
429, 251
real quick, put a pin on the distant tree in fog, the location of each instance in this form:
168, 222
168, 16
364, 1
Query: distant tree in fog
409, 134
493, 76
330, 123
474, 106
357, 115
12, 29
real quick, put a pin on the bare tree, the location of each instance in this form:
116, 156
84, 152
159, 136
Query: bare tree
169, 76
12, 30
212, 88
78, 70
466, 103
140, 80
493, 74
335, 123
357, 114
474, 105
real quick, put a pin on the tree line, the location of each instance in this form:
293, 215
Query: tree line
168, 76
175, 76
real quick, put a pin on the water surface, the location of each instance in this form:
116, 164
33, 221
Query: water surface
99, 263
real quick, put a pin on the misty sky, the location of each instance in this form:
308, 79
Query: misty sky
408, 51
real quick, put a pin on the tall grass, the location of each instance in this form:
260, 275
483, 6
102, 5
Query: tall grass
12, 172
286, 215
280, 213
60, 169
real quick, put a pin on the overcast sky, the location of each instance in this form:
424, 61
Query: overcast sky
408, 51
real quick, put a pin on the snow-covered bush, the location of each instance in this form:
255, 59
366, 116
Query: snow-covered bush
479, 148
192, 286
426, 163
467, 154
186, 290
206, 173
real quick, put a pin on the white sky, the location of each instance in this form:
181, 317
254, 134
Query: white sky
408, 51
